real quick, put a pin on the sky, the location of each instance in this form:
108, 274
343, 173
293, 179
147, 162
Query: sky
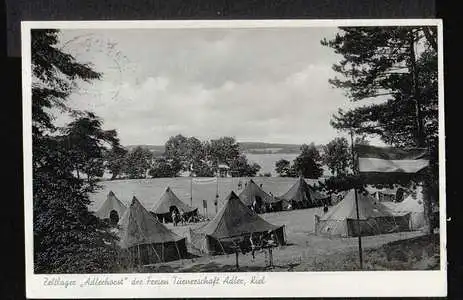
268, 84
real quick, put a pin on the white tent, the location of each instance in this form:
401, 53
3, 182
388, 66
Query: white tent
374, 218
414, 205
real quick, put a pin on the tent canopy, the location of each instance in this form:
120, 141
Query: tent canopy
169, 199
252, 191
301, 191
111, 203
235, 219
346, 209
138, 227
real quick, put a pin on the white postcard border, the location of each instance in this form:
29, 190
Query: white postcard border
277, 284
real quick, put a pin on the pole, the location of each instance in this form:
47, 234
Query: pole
191, 190
356, 201
217, 194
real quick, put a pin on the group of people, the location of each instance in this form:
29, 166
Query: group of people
261, 241
178, 217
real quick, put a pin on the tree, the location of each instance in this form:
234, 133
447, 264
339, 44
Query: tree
240, 167
337, 155
343, 182
398, 67
189, 154
284, 169
86, 141
223, 150
162, 168
115, 160
67, 237
176, 147
307, 163
138, 163
202, 169
385, 63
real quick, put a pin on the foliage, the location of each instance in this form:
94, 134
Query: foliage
54, 77
242, 168
336, 155
398, 67
284, 169
85, 139
308, 163
224, 150
67, 237
138, 163
343, 182
115, 160
202, 158
163, 167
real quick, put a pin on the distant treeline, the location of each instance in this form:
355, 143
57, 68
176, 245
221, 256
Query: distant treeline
246, 147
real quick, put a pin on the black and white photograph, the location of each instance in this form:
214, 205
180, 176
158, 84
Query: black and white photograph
233, 155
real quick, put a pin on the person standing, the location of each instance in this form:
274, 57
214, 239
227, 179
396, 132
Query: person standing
174, 218
253, 247
182, 220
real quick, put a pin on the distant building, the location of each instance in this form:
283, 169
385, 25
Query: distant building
387, 194
224, 170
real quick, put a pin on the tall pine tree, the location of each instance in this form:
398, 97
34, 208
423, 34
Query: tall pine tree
396, 69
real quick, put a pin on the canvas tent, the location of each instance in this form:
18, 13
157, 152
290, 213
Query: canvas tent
374, 218
169, 202
252, 193
234, 221
302, 195
112, 203
414, 205
147, 240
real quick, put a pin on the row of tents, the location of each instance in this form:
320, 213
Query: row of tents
149, 241
162, 210
300, 195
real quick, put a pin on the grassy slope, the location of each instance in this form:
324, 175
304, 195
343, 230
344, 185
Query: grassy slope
418, 253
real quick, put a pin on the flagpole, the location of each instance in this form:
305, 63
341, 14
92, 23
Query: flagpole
356, 201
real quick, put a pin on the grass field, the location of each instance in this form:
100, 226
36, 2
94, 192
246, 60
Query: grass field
305, 250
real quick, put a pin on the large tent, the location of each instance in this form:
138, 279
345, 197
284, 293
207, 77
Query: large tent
374, 218
302, 195
147, 240
234, 221
252, 194
112, 203
414, 205
169, 202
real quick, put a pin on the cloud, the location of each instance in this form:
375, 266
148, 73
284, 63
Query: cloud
267, 85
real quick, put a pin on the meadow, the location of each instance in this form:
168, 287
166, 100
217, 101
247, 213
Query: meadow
305, 251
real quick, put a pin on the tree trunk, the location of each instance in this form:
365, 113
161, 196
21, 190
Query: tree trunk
421, 141
428, 214
416, 92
